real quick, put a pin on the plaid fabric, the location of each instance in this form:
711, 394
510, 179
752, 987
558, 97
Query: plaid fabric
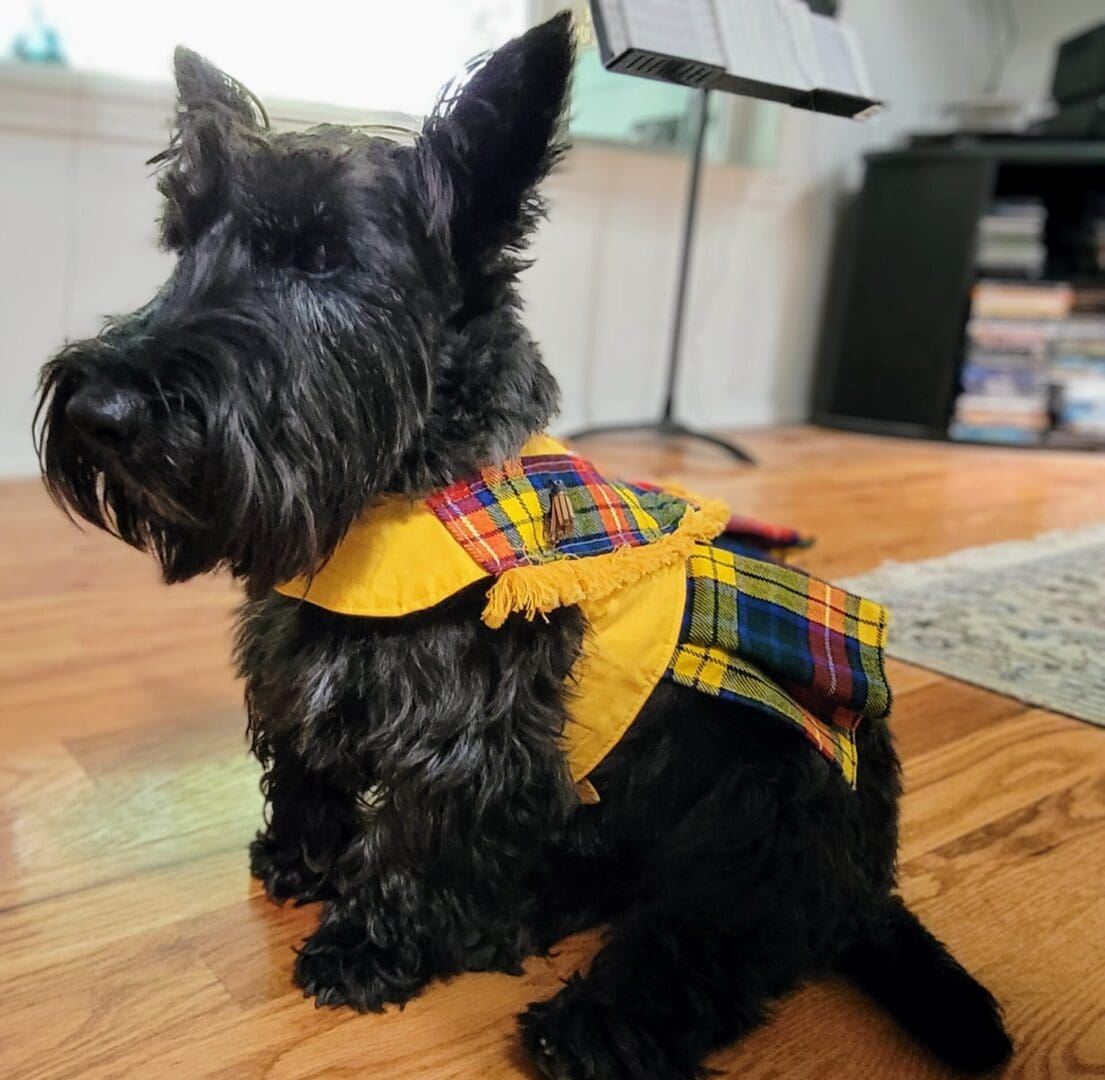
759, 540
753, 533
499, 516
773, 638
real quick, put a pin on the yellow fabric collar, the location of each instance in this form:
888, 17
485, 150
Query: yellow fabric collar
399, 559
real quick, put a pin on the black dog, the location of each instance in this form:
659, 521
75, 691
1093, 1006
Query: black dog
343, 323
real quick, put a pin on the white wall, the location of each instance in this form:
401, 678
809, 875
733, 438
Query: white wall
77, 208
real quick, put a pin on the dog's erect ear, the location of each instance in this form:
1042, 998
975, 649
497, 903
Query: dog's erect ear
202, 86
214, 114
492, 138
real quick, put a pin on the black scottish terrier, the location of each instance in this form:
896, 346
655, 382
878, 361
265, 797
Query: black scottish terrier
343, 322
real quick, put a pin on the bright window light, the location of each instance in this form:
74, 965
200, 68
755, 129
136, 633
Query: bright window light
377, 55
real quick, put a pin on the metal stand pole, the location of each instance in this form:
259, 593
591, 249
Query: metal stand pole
667, 425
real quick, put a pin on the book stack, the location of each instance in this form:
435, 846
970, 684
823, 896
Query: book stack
1077, 381
1011, 239
1017, 300
1089, 299
1034, 369
1004, 396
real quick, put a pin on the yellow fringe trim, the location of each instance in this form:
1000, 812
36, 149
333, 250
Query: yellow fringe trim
536, 590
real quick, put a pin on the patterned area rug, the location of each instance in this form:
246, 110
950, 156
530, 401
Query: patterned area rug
1025, 618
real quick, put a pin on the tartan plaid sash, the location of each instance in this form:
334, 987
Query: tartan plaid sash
778, 640
499, 516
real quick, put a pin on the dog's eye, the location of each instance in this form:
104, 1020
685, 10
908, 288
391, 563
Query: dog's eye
307, 255
266, 249
320, 258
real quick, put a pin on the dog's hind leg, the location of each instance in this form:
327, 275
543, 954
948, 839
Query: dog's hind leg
668, 987
720, 927
910, 973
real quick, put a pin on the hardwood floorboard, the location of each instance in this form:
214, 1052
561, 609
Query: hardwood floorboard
962, 785
134, 944
940, 711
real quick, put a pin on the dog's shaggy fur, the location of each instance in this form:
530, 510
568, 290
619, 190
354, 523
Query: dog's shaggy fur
343, 322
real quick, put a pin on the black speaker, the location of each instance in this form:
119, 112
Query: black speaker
1080, 67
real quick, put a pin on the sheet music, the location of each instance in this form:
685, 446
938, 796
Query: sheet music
684, 28
859, 65
777, 42
613, 20
841, 63
804, 49
757, 35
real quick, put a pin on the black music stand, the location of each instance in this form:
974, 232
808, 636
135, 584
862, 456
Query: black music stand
848, 97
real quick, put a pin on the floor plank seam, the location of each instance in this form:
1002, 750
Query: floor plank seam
135, 876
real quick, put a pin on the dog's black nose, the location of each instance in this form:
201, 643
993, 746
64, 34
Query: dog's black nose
105, 414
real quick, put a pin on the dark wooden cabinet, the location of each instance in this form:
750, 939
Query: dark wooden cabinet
894, 326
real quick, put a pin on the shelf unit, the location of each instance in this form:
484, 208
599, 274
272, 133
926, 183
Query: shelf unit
894, 330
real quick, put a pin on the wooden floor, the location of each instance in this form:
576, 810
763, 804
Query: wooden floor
134, 944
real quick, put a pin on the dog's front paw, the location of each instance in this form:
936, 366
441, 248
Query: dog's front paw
575, 1037
322, 976
361, 976
284, 875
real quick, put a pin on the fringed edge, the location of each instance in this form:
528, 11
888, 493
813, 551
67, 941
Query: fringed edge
537, 590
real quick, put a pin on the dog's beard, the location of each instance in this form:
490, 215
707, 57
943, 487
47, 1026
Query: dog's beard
225, 473
122, 494
161, 503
